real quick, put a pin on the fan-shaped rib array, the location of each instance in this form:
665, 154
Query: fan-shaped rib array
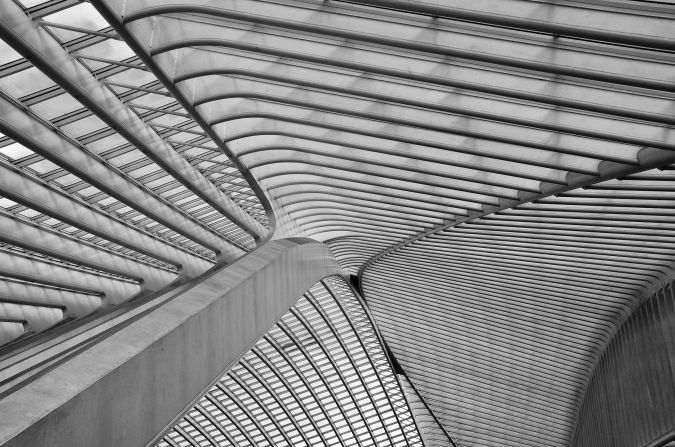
497, 172
319, 377
107, 186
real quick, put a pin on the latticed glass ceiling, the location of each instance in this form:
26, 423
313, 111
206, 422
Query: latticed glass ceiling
319, 377
108, 188
497, 171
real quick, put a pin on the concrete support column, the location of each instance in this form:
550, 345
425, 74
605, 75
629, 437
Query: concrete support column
129, 386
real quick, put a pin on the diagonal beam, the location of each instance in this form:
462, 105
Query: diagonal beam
29, 191
116, 21
15, 265
168, 347
18, 123
76, 304
648, 158
37, 45
30, 236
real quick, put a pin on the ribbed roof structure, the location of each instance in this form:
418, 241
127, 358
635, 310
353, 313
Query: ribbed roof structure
108, 186
319, 377
497, 173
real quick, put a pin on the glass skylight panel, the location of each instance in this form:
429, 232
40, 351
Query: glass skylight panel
15, 151
84, 126
112, 49
25, 82
340, 423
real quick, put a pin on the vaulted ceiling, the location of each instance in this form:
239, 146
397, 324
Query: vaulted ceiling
498, 173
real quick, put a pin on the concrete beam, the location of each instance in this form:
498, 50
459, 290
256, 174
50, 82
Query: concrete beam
30, 191
36, 44
132, 385
32, 236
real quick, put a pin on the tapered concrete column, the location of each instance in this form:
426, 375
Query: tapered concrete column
128, 387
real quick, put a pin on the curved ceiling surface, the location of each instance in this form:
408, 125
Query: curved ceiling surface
498, 172
107, 186
319, 377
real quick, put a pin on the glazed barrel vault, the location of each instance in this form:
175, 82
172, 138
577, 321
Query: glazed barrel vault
320, 223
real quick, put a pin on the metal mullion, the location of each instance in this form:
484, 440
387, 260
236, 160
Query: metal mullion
543, 285
312, 300
395, 166
314, 28
135, 88
589, 281
350, 241
21, 233
628, 184
576, 234
492, 418
72, 155
291, 417
550, 240
307, 204
347, 225
215, 401
110, 62
192, 144
186, 436
429, 144
235, 399
179, 129
603, 308
520, 23
363, 346
391, 121
517, 254
349, 211
49, 200
417, 157
562, 201
263, 408
381, 185
620, 195
459, 84
99, 134
430, 349
337, 217
462, 308
581, 251
45, 23
50, 7
170, 441
311, 364
331, 361
198, 426
556, 225
301, 376
444, 109
157, 110
252, 224
416, 181
526, 265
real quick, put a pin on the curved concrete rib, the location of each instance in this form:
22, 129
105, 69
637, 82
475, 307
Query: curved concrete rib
50, 57
167, 357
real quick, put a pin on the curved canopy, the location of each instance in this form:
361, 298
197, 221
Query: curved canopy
498, 173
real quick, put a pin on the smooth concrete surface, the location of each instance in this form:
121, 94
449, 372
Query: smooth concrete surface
125, 389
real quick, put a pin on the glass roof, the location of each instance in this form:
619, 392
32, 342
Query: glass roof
72, 177
516, 153
319, 377
417, 137
535, 291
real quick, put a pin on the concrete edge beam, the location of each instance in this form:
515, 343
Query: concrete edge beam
130, 386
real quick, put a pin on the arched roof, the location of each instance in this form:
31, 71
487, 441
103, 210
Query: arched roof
496, 172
